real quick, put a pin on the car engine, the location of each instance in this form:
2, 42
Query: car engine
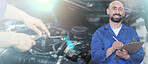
63, 47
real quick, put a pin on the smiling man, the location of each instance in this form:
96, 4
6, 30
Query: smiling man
109, 38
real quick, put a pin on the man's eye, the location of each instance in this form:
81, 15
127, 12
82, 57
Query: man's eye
121, 9
114, 8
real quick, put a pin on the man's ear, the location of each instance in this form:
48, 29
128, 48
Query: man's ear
107, 11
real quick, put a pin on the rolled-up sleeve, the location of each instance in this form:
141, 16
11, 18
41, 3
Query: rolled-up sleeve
3, 6
98, 52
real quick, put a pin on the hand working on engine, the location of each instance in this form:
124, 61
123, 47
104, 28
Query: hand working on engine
20, 41
37, 25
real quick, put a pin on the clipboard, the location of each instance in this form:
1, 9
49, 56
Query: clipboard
131, 48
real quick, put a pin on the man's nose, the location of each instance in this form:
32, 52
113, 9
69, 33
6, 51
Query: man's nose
117, 11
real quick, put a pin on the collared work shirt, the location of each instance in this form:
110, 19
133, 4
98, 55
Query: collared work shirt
103, 39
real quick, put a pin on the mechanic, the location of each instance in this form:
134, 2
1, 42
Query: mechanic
20, 41
109, 38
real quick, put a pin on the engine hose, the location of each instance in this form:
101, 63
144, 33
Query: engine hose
53, 47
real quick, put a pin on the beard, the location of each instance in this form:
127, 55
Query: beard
117, 20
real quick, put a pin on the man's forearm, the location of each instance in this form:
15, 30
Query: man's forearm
109, 52
14, 13
6, 39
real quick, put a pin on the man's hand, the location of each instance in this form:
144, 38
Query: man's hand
117, 45
37, 25
123, 54
22, 42
31, 22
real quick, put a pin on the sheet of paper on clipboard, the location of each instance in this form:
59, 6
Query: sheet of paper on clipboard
132, 48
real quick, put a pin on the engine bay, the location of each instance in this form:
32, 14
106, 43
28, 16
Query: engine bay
63, 47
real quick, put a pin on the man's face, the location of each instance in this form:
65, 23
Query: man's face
116, 11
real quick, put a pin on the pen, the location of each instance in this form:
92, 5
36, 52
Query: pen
115, 38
